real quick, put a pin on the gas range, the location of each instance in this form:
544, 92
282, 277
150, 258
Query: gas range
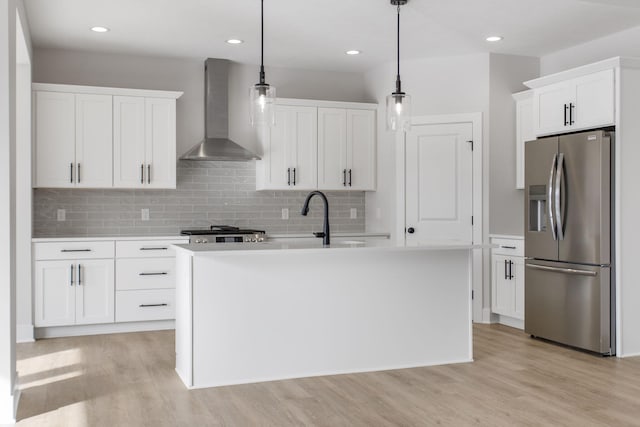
224, 234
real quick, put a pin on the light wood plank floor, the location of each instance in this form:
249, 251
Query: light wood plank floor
128, 380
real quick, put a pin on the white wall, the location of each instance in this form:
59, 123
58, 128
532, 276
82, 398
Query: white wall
187, 75
624, 43
506, 204
10, 12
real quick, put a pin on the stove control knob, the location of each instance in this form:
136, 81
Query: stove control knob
197, 240
205, 241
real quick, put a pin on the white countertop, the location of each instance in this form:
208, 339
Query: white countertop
506, 236
338, 245
336, 235
105, 238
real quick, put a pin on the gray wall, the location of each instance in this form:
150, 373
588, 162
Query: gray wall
506, 204
207, 193
210, 192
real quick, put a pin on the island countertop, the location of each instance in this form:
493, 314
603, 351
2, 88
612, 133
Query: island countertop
338, 245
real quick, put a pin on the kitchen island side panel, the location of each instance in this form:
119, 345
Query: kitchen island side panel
290, 314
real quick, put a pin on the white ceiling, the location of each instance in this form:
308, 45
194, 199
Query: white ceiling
314, 34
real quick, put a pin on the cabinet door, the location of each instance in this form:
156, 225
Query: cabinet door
273, 171
94, 141
55, 293
361, 149
332, 149
95, 292
128, 141
524, 132
502, 293
518, 279
549, 108
55, 134
594, 100
160, 143
303, 148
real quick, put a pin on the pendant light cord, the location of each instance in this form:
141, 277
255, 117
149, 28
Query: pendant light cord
262, 42
398, 84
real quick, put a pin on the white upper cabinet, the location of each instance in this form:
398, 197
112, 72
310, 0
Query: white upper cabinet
346, 149
575, 104
319, 145
95, 137
290, 147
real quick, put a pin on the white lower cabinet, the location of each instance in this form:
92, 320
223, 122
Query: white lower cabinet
74, 292
80, 282
507, 279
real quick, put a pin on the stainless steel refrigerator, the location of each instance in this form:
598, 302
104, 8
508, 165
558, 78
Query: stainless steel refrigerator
569, 290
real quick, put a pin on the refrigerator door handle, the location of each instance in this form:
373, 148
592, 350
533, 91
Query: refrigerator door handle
558, 196
563, 270
550, 197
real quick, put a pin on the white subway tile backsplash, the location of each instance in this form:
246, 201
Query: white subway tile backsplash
207, 193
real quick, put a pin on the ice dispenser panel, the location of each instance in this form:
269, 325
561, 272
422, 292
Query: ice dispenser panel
538, 208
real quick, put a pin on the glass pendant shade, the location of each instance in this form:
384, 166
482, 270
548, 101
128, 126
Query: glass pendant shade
262, 100
399, 112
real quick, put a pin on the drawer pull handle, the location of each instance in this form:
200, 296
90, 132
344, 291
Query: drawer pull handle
162, 273
154, 305
154, 249
75, 250
507, 247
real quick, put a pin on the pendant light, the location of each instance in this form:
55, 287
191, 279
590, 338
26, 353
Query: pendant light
262, 95
398, 103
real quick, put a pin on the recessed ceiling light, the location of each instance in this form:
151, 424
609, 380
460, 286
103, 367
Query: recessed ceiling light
353, 52
100, 29
494, 38
235, 41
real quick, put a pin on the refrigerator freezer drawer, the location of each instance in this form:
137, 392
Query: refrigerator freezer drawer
569, 304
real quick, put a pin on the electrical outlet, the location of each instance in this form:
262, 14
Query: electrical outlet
285, 213
354, 213
62, 215
145, 214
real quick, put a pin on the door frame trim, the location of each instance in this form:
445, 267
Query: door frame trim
479, 315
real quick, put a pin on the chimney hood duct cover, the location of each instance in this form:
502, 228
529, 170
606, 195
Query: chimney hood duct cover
216, 144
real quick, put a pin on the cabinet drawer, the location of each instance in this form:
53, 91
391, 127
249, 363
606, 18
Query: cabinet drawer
151, 273
73, 250
137, 306
508, 247
147, 248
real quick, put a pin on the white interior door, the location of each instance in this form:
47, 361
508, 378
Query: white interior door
439, 183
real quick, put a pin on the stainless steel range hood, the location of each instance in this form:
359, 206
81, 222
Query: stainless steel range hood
216, 144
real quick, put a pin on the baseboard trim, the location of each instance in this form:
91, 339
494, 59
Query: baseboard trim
110, 328
512, 322
9, 405
486, 316
25, 333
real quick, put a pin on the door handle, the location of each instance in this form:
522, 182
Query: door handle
563, 270
148, 174
571, 108
75, 250
550, 197
153, 305
79, 274
288, 176
510, 270
506, 276
159, 248
344, 177
71, 173
350, 177
78, 173
163, 273
141, 174
566, 109
558, 196
294, 176
507, 247
71, 278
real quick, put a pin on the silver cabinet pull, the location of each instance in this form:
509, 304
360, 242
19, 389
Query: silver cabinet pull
148, 174
160, 248
75, 250
550, 197
71, 278
558, 195
161, 273
79, 274
563, 270
154, 305
141, 174
78, 173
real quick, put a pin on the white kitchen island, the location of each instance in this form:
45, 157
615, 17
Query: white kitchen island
260, 312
